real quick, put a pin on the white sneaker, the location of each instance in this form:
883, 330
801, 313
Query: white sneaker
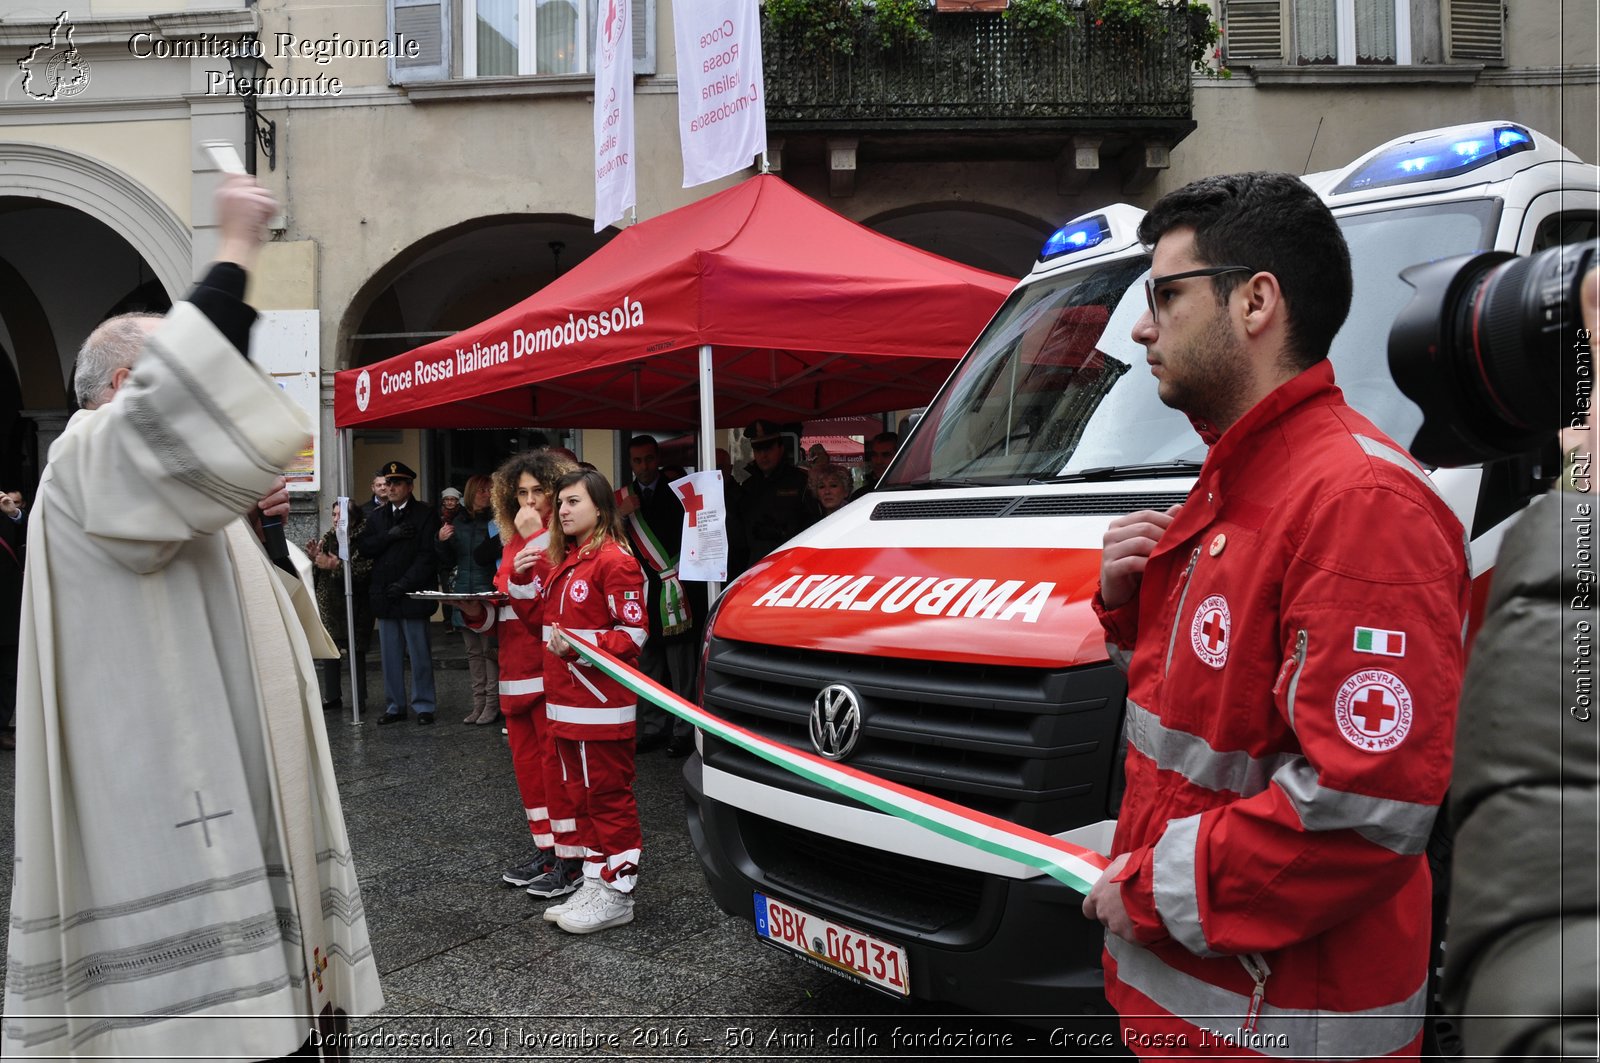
586, 891
607, 909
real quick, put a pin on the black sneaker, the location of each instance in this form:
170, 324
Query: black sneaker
560, 879
542, 861
390, 717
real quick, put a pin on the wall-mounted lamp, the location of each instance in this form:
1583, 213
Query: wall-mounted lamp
249, 68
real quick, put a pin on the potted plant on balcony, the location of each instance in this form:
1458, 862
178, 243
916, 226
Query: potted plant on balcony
836, 25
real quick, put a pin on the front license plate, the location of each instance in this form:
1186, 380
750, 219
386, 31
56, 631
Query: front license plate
857, 956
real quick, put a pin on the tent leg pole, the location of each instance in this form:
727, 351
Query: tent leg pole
357, 681
708, 439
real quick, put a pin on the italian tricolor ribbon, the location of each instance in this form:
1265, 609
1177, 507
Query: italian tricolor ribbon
1074, 865
675, 619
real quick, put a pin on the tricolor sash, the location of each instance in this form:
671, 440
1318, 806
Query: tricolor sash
675, 619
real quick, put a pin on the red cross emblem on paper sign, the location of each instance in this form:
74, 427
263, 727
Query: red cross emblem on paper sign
1210, 629
1373, 710
693, 503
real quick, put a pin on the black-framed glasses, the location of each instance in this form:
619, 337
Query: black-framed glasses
1152, 283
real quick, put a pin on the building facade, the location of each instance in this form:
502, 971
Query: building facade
434, 158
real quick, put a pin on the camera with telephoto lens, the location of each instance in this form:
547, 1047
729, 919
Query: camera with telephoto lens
1492, 348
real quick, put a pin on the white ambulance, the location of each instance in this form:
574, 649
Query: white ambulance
937, 632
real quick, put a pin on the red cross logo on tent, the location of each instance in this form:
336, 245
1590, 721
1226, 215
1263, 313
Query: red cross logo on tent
1210, 630
1373, 710
363, 390
693, 503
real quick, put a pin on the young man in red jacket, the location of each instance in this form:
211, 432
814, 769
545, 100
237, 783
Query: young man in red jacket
1295, 635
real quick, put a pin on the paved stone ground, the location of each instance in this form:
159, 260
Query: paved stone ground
471, 970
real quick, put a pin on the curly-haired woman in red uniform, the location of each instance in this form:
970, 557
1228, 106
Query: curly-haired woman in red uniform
524, 487
595, 592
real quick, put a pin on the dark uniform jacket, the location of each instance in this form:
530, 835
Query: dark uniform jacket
774, 509
403, 559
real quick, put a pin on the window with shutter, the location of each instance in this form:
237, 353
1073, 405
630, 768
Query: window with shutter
427, 22
1253, 32
1351, 32
1476, 30
535, 37
644, 37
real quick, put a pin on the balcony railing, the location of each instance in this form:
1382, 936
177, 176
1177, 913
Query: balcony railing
979, 70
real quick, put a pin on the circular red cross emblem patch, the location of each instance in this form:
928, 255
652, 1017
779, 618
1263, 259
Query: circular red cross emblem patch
580, 590
1373, 710
1210, 630
632, 613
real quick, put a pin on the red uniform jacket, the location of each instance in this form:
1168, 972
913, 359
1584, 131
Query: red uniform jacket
519, 627
1296, 658
597, 595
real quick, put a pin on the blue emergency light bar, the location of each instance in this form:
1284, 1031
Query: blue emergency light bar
1436, 158
1077, 236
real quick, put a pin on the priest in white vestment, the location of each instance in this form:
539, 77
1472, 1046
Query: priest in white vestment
184, 886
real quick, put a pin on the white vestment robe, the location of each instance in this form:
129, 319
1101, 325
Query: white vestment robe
184, 885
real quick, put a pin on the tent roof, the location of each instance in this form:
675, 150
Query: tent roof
809, 315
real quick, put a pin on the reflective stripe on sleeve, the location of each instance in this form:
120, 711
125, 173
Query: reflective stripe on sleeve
507, 613
524, 591
1177, 897
637, 634
1399, 826
522, 686
1282, 1033
588, 714
1384, 452
1119, 656
1192, 756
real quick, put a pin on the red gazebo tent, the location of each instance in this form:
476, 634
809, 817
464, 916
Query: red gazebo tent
798, 312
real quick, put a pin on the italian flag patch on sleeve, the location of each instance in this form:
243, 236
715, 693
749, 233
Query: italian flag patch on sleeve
1384, 643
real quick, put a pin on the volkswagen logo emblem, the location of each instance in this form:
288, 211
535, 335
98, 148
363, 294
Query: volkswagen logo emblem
835, 721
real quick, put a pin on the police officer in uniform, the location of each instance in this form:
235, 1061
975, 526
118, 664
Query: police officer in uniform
774, 501
399, 538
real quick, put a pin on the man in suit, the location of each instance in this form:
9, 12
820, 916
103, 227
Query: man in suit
399, 538
655, 526
380, 496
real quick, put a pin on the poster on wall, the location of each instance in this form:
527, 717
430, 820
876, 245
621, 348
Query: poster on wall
286, 344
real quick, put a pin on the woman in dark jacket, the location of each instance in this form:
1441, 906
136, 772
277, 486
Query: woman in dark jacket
459, 547
328, 580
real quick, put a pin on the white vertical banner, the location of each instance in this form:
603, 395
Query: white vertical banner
722, 103
613, 113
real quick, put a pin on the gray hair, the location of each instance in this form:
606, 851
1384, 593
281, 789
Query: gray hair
114, 344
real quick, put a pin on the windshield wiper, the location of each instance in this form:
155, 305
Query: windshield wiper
925, 485
1102, 473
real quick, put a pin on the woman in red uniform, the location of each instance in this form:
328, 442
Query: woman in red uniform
595, 592
523, 489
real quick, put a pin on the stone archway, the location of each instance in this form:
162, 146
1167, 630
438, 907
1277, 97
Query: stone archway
998, 240
39, 171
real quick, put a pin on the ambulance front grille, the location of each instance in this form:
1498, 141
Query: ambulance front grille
1030, 746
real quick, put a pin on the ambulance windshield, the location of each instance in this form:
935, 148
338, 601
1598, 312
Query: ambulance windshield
1047, 392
